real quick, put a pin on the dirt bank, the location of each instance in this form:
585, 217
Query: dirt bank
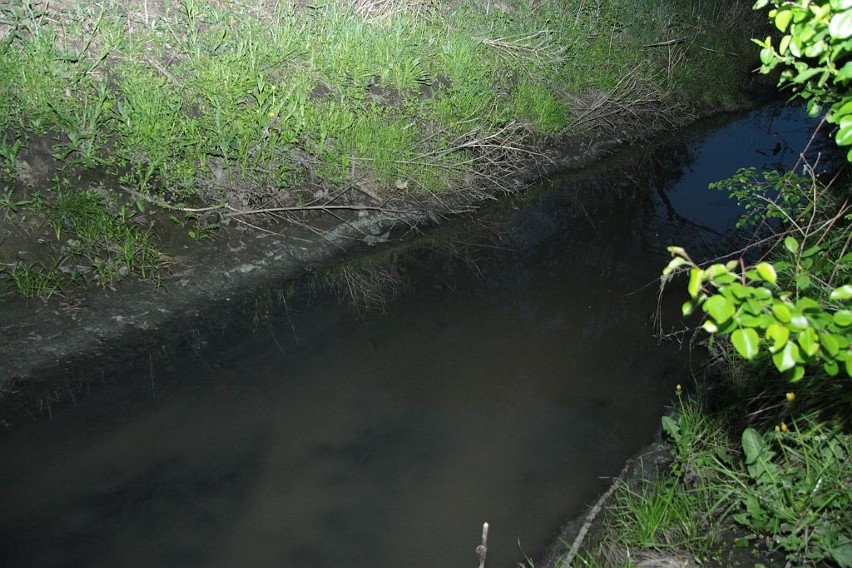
153, 126
50, 349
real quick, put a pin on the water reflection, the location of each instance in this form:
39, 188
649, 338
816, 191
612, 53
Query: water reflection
516, 370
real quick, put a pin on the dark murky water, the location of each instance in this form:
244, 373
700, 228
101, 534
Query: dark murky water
515, 371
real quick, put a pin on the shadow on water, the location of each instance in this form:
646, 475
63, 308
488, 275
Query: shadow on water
515, 370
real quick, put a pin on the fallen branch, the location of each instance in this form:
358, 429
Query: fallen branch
160, 202
233, 212
590, 518
665, 43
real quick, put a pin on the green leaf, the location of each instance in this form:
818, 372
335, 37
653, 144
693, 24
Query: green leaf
695, 275
819, 11
753, 445
762, 294
842, 108
831, 367
767, 272
844, 136
719, 308
815, 49
747, 342
842, 293
745, 320
809, 341
671, 427
782, 19
784, 44
737, 291
673, 265
811, 251
839, 5
806, 75
787, 358
782, 312
798, 320
797, 374
767, 56
843, 318
779, 335
840, 26
687, 308
829, 342
807, 304
791, 244
760, 4
849, 363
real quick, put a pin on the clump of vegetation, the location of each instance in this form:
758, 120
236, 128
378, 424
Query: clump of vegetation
238, 107
768, 468
81, 237
783, 495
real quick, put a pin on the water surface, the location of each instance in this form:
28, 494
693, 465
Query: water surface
516, 369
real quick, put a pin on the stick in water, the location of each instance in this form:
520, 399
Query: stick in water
483, 548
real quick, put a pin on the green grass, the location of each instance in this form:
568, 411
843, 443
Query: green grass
205, 81
658, 516
535, 103
89, 239
253, 102
36, 281
775, 492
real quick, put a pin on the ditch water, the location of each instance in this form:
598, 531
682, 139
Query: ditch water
514, 371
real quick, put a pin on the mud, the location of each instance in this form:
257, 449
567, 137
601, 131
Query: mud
45, 344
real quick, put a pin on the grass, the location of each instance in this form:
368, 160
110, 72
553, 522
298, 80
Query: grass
87, 239
765, 494
36, 281
165, 93
262, 103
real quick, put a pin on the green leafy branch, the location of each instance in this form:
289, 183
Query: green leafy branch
815, 55
752, 190
763, 320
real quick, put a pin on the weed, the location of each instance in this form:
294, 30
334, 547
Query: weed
789, 489
9, 151
239, 102
205, 97
21, 22
660, 515
36, 281
83, 126
89, 231
799, 491
10, 205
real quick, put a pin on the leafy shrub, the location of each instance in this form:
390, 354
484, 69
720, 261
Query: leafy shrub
814, 56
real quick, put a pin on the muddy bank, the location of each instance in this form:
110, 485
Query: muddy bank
228, 142
45, 344
645, 467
